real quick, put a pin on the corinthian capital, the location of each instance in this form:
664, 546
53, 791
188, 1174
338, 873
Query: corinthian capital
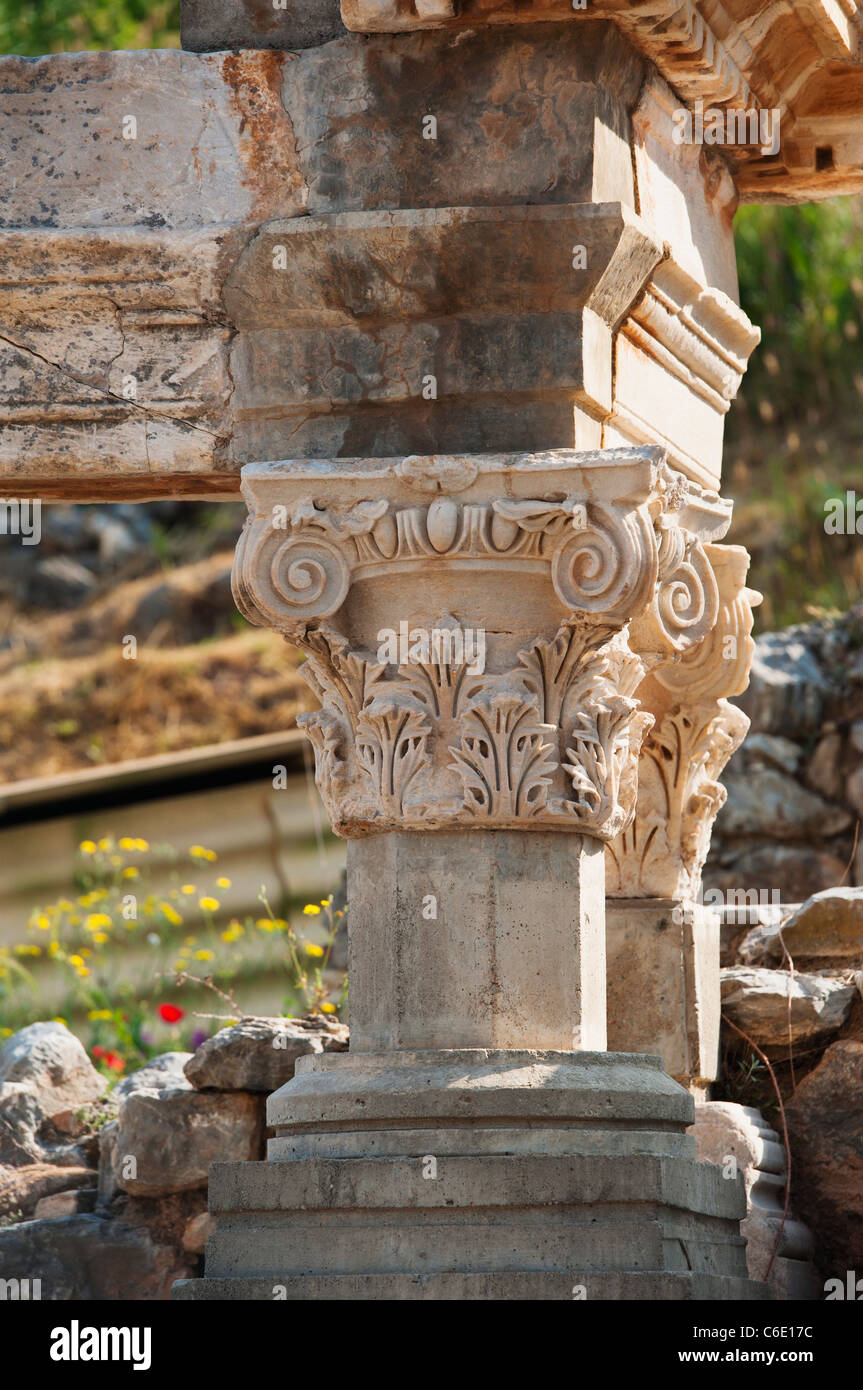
694, 733
469, 625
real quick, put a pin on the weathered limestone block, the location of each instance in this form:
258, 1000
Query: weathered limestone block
22, 1189
259, 1054
161, 1073
715, 55
88, 1256
117, 238
781, 1012
824, 1119
372, 307
211, 25
827, 928
51, 1063
172, 1137
175, 287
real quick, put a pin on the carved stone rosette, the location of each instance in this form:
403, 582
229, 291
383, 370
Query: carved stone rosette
477, 628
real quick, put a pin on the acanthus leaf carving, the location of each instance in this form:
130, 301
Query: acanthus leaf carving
505, 757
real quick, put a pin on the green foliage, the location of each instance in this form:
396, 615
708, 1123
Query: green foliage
801, 280
32, 27
795, 435
129, 1007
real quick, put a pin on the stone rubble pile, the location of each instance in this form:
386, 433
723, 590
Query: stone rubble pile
795, 987
795, 787
104, 1194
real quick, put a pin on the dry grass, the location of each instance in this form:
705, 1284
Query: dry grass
63, 715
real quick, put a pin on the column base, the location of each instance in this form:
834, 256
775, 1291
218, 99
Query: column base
481, 1175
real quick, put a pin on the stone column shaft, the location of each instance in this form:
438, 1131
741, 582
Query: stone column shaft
492, 939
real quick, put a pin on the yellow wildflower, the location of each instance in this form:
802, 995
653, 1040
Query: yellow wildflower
198, 852
223, 883
60, 1020
97, 920
313, 950
87, 847
43, 923
311, 910
77, 961
100, 1015
131, 872
104, 843
209, 904
204, 955
171, 914
100, 938
188, 889
328, 1008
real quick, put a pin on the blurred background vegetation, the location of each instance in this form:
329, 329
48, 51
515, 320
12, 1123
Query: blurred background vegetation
31, 27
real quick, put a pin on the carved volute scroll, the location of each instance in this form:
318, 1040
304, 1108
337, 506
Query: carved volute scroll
696, 730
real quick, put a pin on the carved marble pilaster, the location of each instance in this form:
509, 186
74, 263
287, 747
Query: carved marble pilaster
575, 573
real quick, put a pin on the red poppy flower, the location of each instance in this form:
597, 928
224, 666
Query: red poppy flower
169, 1013
114, 1062
98, 1052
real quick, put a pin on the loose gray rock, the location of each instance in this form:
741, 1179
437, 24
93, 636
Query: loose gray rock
825, 1117
197, 1232
166, 1140
52, 1064
854, 790
769, 750
20, 1118
91, 1257
825, 771
757, 1000
259, 1054
21, 1189
159, 1074
766, 802
788, 690
827, 926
